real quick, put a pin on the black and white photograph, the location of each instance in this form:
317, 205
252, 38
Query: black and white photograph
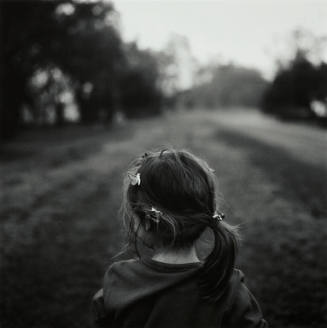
163, 163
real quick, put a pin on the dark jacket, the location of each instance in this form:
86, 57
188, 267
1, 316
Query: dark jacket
151, 294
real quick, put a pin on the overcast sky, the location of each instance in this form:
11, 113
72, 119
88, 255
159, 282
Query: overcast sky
247, 32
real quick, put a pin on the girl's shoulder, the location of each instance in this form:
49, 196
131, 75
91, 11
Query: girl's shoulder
123, 263
235, 285
117, 268
149, 265
241, 304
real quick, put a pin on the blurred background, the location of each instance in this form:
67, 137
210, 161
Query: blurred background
87, 85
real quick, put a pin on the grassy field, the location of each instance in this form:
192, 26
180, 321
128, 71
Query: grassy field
60, 193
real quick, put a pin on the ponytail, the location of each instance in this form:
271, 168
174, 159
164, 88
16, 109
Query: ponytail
218, 267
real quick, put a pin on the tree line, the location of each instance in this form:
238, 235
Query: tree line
55, 49
60, 53
224, 85
299, 87
296, 89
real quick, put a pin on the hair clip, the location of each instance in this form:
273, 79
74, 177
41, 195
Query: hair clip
218, 216
155, 210
135, 179
154, 216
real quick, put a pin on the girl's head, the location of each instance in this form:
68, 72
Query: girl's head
169, 200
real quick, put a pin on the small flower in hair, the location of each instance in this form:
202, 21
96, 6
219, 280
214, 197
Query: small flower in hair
218, 216
155, 210
154, 214
135, 179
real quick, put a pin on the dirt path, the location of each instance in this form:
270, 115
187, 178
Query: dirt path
60, 224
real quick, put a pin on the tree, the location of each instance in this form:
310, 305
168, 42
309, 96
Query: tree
23, 43
95, 60
298, 81
224, 86
140, 87
77, 37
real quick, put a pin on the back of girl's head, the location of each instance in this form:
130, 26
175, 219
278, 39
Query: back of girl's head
170, 196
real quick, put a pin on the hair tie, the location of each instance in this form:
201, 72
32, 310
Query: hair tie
218, 216
154, 215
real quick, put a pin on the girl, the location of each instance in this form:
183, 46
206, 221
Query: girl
169, 201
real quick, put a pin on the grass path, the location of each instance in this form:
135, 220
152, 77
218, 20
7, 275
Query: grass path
60, 225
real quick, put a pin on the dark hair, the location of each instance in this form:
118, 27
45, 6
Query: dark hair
176, 196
